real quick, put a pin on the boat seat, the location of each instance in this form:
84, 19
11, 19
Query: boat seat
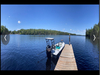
60, 44
53, 46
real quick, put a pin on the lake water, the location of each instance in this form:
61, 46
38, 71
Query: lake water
23, 52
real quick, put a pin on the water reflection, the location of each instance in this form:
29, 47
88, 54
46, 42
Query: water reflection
96, 42
85, 50
51, 63
48, 64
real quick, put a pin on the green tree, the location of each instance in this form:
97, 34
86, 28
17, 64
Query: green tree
4, 30
33, 31
95, 30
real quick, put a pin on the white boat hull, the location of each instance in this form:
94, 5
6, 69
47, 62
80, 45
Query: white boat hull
56, 51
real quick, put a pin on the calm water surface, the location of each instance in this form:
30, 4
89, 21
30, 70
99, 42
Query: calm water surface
23, 52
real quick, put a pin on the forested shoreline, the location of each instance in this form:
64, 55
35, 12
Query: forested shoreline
93, 31
89, 32
4, 30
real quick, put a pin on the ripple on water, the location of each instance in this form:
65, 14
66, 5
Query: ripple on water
23, 53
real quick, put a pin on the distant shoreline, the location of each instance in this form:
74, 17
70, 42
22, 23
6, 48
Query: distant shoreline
31, 34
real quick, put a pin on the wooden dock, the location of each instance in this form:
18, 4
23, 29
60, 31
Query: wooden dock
66, 60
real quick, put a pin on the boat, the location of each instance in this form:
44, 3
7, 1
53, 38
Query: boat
53, 49
58, 47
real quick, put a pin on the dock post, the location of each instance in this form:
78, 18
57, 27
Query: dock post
69, 39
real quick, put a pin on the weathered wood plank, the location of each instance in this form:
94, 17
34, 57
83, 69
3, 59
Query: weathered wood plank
66, 60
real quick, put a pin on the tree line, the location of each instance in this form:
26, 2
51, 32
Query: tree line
93, 31
4, 30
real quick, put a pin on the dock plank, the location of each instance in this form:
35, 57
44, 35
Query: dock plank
66, 60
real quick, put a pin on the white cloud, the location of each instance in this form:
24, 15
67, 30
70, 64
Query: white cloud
56, 29
84, 30
19, 22
78, 30
17, 29
7, 18
63, 29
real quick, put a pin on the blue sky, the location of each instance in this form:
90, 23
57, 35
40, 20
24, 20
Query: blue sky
67, 18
